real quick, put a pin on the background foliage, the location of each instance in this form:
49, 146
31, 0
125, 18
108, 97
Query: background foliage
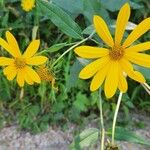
59, 24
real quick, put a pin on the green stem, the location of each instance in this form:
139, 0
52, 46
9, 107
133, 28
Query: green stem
102, 131
36, 24
45, 50
146, 87
115, 117
34, 32
21, 94
95, 41
68, 50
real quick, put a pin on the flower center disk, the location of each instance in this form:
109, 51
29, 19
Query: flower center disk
116, 53
20, 63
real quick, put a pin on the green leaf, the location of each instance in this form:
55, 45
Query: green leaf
118, 4
86, 7
135, 93
2, 3
81, 102
34, 110
54, 48
93, 7
60, 18
4, 22
145, 104
126, 113
74, 7
74, 74
58, 106
5, 91
88, 30
85, 139
94, 98
126, 135
127, 101
57, 47
42, 90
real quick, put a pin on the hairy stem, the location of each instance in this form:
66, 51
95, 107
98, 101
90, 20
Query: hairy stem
146, 87
21, 94
102, 131
68, 50
115, 117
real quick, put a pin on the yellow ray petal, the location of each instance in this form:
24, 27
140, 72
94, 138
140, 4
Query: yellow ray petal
33, 75
36, 60
4, 61
32, 49
7, 70
28, 79
13, 43
128, 68
139, 47
138, 77
112, 78
10, 72
139, 58
99, 78
121, 23
7, 47
91, 52
122, 84
20, 77
103, 31
93, 67
143, 27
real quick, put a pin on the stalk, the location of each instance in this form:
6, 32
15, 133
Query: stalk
68, 50
21, 94
115, 117
102, 131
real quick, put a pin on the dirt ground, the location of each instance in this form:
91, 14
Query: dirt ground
13, 139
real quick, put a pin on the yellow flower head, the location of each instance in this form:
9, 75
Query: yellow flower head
27, 5
113, 62
20, 64
46, 75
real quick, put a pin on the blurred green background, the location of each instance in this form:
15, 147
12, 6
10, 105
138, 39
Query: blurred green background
43, 106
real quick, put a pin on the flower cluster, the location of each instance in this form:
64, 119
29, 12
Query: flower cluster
111, 64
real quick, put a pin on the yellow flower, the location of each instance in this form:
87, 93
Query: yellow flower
20, 64
114, 62
27, 5
46, 75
